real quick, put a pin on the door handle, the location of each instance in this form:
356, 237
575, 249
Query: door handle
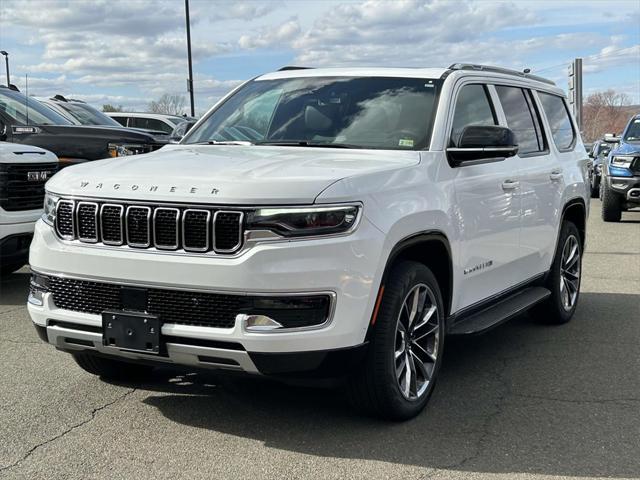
555, 175
509, 185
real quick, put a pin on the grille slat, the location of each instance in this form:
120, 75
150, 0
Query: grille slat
22, 185
227, 231
166, 228
87, 221
195, 230
138, 231
141, 226
64, 219
111, 224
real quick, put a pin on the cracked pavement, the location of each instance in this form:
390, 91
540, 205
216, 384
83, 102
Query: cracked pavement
525, 401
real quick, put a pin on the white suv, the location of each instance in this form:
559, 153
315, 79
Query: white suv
322, 223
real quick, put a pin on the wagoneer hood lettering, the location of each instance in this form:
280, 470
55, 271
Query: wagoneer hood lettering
225, 174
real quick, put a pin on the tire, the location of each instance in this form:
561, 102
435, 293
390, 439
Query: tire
564, 278
111, 369
595, 186
376, 388
611, 205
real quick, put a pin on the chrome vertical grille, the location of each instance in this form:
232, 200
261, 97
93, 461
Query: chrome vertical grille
163, 227
64, 219
195, 230
166, 228
227, 228
87, 221
138, 228
112, 224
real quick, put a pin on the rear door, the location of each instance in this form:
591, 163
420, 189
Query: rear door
487, 206
540, 179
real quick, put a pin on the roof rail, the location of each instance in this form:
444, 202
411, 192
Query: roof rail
59, 98
10, 87
293, 67
505, 71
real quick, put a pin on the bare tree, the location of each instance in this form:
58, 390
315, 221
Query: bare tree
604, 112
168, 104
112, 108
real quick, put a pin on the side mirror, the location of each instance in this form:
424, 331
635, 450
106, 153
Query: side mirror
3, 132
483, 144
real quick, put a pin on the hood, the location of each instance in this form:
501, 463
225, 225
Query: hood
225, 174
80, 141
16, 153
627, 148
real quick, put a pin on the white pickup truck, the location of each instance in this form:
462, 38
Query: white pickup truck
23, 172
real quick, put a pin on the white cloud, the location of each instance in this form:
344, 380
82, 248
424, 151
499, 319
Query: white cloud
280, 34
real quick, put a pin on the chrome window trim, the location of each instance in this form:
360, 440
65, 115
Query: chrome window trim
73, 220
240, 231
155, 242
206, 230
121, 208
126, 222
95, 222
167, 286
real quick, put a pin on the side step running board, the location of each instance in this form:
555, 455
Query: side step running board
499, 312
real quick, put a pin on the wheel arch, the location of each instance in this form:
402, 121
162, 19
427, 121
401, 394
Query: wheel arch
432, 249
575, 211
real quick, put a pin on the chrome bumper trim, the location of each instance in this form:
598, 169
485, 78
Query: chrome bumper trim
177, 354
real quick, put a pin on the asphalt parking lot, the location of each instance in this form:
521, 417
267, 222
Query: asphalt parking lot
523, 401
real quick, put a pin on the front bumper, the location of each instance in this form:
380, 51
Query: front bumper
629, 187
349, 267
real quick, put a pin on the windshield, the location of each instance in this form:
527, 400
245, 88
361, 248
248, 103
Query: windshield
633, 131
87, 115
604, 149
371, 112
13, 105
176, 120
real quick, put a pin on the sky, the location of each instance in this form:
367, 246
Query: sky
130, 52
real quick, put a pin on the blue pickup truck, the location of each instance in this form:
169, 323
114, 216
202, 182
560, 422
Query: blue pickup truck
620, 182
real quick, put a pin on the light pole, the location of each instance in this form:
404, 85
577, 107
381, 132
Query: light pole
190, 80
6, 62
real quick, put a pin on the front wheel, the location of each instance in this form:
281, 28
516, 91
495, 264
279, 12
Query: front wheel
611, 205
595, 186
405, 351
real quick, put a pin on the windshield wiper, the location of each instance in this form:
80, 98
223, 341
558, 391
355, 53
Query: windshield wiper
222, 142
304, 143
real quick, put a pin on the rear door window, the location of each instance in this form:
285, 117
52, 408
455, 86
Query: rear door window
557, 114
522, 119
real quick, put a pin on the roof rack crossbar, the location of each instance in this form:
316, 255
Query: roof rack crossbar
505, 71
293, 67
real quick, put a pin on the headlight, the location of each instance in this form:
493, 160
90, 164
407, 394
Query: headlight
622, 161
123, 150
50, 203
304, 222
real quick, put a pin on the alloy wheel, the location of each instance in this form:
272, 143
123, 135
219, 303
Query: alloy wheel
417, 341
570, 272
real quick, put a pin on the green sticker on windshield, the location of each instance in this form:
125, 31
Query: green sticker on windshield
405, 142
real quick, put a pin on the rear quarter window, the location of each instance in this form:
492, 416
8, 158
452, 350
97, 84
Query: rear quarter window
557, 114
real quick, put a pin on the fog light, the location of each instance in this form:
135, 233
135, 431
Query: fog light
258, 323
37, 288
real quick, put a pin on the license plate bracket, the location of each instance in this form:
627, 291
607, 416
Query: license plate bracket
131, 331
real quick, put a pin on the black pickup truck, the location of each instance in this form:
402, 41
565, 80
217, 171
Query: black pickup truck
25, 120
